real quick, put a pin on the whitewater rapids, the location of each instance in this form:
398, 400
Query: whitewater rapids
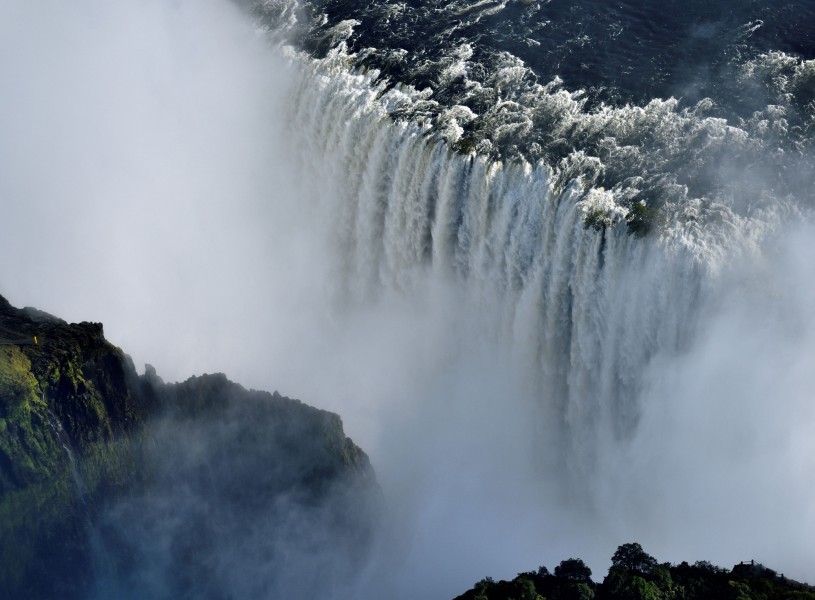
656, 369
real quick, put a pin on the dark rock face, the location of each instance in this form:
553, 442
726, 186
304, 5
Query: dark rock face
118, 485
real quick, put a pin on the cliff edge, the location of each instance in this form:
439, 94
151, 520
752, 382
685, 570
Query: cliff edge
110, 480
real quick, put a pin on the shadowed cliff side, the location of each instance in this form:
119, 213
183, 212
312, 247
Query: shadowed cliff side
115, 483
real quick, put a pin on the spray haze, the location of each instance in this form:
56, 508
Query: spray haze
528, 388
143, 140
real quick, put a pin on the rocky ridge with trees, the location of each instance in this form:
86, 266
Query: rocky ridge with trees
636, 575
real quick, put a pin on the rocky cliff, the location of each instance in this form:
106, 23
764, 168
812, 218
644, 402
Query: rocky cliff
115, 484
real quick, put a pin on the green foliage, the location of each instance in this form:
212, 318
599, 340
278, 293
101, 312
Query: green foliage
572, 583
29, 452
79, 429
465, 146
43, 510
706, 566
738, 590
597, 219
579, 591
60, 402
642, 589
32, 521
661, 576
526, 588
573, 569
635, 575
17, 384
633, 558
642, 218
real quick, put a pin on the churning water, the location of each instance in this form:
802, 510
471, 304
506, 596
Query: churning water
608, 208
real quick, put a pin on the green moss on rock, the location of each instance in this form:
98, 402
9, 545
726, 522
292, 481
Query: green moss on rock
29, 452
642, 218
63, 446
17, 384
80, 430
465, 146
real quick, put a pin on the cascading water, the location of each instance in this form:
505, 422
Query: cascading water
584, 309
550, 261
595, 274
79, 484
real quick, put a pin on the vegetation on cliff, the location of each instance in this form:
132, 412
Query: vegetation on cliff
636, 575
102, 470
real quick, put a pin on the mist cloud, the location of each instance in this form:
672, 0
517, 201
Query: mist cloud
722, 461
142, 161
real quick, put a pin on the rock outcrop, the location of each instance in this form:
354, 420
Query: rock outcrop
110, 480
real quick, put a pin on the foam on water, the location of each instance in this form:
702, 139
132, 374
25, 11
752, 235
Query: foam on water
586, 320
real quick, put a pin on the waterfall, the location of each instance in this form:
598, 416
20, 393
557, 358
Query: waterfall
647, 359
79, 484
584, 310
101, 557
451, 266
